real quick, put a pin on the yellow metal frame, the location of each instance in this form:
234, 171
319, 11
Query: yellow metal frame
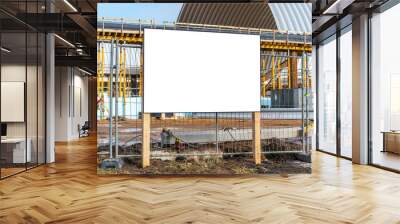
279, 74
98, 71
273, 72
264, 77
289, 73
305, 84
124, 75
136, 37
141, 73
102, 72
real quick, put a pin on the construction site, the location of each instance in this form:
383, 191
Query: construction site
277, 139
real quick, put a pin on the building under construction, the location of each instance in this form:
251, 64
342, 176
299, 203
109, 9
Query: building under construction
130, 141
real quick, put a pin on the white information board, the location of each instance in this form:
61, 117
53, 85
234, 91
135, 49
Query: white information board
190, 71
12, 101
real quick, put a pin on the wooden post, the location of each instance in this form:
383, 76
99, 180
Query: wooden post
146, 140
293, 71
257, 137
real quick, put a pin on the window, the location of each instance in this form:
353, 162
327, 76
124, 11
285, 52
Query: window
346, 93
385, 89
327, 95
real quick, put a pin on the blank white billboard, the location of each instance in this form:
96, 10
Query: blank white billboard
190, 71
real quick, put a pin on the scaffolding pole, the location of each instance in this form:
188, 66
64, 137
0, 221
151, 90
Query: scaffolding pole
117, 87
264, 77
110, 84
98, 69
289, 73
141, 73
102, 82
279, 73
273, 73
124, 73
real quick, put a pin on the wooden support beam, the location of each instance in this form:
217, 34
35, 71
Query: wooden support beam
294, 71
257, 137
146, 140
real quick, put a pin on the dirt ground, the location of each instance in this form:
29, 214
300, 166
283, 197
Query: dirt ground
240, 165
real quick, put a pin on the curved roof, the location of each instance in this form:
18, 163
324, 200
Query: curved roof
281, 16
292, 16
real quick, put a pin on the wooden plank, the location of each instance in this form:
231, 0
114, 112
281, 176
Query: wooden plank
146, 140
70, 191
293, 72
257, 137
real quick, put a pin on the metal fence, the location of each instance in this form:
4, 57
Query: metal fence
286, 111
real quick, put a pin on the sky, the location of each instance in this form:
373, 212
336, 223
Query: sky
160, 12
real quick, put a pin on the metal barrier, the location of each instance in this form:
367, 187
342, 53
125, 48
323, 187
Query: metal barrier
123, 130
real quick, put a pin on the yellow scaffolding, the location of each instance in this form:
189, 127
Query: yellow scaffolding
305, 85
98, 71
102, 72
273, 72
136, 37
141, 73
120, 72
264, 77
279, 74
124, 93
289, 78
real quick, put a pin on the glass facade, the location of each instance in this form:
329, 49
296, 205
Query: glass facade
22, 87
385, 89
346, 92
327, 95
335, 91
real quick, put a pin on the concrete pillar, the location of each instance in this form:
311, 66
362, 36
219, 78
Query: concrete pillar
360, 90
50, 98
92, 103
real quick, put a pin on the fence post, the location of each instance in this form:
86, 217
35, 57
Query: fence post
146, 140
256, 120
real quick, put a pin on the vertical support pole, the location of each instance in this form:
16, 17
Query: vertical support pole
256, 119
50, 95
110, 87
98, 69
120, 75
338, 97
102, 70
273, 72
102, 84
110, 78
146, 119
216, 132
303, 123
361, 102
293, 69
141, 73
279, 74
117, 88
305, 82
264, 77
124, 110
289, 73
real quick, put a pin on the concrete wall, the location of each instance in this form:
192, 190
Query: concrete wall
71, 102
